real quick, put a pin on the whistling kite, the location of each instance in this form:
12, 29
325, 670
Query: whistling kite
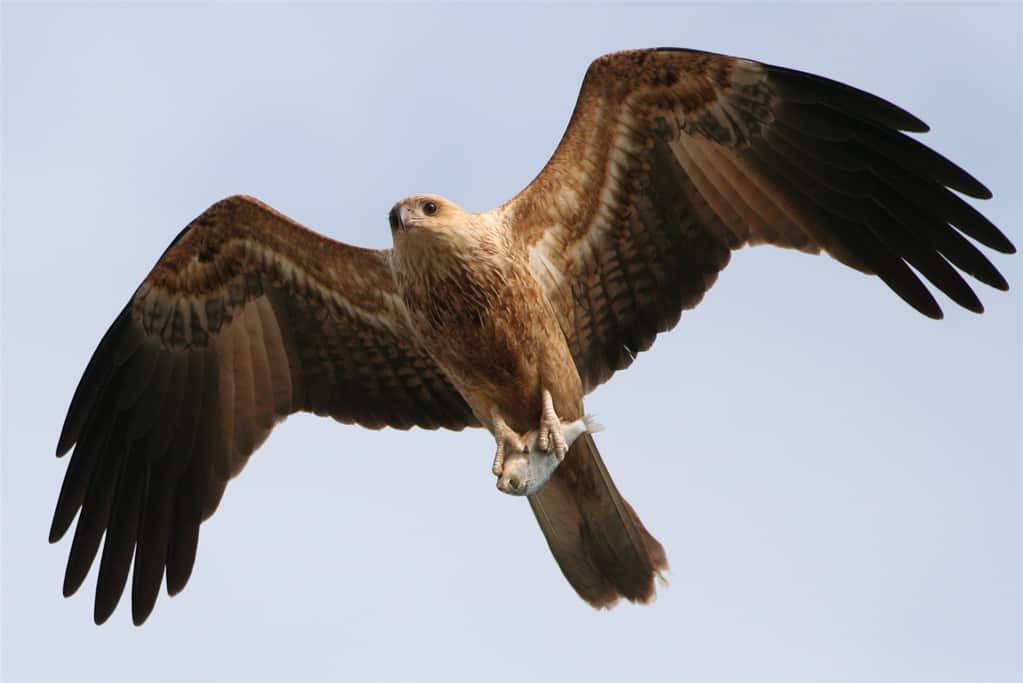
504, 319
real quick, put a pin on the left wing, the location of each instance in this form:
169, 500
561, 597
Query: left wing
674, 158
246, 318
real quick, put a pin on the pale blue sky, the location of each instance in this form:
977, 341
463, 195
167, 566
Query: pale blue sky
835, 478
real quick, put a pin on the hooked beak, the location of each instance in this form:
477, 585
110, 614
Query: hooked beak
401, 219
397, 219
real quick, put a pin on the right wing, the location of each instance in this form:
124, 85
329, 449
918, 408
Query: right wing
675, 158
246, 318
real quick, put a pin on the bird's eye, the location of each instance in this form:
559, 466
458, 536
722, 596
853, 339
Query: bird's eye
430, 208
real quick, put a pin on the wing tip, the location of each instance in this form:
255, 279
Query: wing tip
140, 610
983, 192
1003, 245
64, 444
71, 585
55, 534
973, 305
965, 183
913, 123
176, 584
101, 613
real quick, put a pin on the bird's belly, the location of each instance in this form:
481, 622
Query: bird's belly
502, 354
494, 367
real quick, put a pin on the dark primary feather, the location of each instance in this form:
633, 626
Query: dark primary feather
799, 86
246, 318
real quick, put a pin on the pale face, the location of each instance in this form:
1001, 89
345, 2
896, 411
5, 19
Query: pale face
432, 232
422, 212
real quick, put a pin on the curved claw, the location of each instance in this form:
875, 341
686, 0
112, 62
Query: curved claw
508, 443
550, 436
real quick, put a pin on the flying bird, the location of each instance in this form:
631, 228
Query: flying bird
505, 319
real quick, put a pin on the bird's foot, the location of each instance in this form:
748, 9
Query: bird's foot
508, 443
549, 436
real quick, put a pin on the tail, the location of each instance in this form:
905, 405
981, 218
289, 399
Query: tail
603, 549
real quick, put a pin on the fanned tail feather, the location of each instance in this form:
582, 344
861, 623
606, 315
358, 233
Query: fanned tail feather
596, 537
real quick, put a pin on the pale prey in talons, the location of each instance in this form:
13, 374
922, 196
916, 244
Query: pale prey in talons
525, 472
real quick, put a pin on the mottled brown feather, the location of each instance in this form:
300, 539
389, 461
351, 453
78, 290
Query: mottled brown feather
697, 154
246, 318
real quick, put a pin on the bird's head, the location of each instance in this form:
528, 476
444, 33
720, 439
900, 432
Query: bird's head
426, 228
425, 213
435, 238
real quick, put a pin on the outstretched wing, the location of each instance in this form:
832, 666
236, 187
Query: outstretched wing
246, 318
674, 158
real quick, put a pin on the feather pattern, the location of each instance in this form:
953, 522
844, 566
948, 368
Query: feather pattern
674, 158
226, 337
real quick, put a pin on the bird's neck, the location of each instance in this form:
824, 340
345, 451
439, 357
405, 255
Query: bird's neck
427, 257
441, 274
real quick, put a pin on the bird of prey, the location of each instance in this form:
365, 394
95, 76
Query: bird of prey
505, 319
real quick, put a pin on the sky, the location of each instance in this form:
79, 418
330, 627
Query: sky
836, 479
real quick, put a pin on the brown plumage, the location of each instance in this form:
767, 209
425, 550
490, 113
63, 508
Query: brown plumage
504, 319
